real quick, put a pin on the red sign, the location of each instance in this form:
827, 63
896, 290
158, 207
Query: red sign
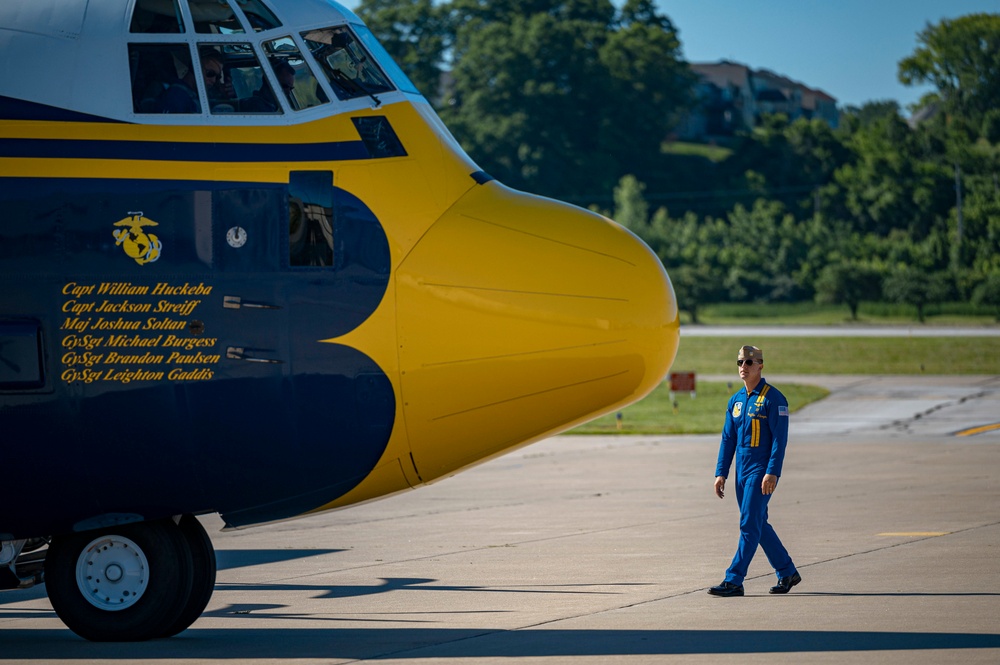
682, 382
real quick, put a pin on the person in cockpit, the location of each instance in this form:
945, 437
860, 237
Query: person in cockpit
213, 70
181, 95
263, 99
286, 78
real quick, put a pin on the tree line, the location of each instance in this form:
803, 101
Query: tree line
577, 99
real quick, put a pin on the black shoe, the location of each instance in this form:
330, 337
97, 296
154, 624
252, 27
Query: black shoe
727, 589
785, 584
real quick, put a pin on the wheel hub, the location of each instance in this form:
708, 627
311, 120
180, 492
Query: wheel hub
112, 573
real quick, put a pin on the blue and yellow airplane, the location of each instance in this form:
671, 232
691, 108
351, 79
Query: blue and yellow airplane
246, 270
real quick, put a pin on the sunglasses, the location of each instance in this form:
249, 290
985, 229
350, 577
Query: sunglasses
209, 74
741, 363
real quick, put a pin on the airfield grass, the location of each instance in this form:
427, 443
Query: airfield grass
659, 414
845, 355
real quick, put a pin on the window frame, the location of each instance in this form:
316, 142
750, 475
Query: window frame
334, 104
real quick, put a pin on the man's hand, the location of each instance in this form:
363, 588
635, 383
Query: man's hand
768, 484
720, 486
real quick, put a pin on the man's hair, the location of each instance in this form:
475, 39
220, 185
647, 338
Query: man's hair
209, 53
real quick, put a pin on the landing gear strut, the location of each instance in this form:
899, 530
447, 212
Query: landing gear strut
132, 582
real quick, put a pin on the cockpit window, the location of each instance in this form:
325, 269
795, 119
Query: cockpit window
157, 16
214, 17
293, 74
382, 56
258, 16
234, 80
162, 79
352, 72
217, 67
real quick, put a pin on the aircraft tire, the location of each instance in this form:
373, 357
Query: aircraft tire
133, 606
203, 578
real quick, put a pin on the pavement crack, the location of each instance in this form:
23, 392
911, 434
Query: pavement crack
903, 425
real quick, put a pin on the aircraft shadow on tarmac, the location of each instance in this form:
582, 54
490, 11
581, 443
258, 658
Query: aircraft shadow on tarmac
229, 559
225, 560
387, 584
399, 643
253, 642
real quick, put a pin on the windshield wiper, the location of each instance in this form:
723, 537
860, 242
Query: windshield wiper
353, 85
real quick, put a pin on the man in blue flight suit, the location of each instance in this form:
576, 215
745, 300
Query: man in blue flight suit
755, 432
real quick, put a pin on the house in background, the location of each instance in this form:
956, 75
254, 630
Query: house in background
733, 97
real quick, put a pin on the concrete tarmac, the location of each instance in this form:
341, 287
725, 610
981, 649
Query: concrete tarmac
590, 550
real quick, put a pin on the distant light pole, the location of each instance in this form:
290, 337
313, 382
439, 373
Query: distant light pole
957, 256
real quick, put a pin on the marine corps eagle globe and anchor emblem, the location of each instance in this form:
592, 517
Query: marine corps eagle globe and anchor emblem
139, 245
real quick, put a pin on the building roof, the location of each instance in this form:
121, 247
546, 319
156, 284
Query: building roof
725, 72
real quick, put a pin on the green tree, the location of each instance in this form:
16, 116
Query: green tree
642, 56
795, 156
979, 247
695, 286
852, 118
988, 292
416, 34
763, 252
890, 184
848, 284
691, 250
961, 58
522, 103
474, 13
631, 208
912, 286
991, 127
563, 98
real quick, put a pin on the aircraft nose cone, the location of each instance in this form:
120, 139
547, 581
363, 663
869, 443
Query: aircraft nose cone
519, 317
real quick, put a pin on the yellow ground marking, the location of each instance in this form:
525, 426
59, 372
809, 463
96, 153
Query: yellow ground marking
908, 534
978, 430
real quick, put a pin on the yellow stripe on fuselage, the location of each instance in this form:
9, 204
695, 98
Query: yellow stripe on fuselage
410, 192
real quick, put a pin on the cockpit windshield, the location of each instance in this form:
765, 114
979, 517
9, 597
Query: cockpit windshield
202, 56
351, 71
297, 80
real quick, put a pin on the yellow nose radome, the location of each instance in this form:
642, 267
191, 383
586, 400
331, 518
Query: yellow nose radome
519, 317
